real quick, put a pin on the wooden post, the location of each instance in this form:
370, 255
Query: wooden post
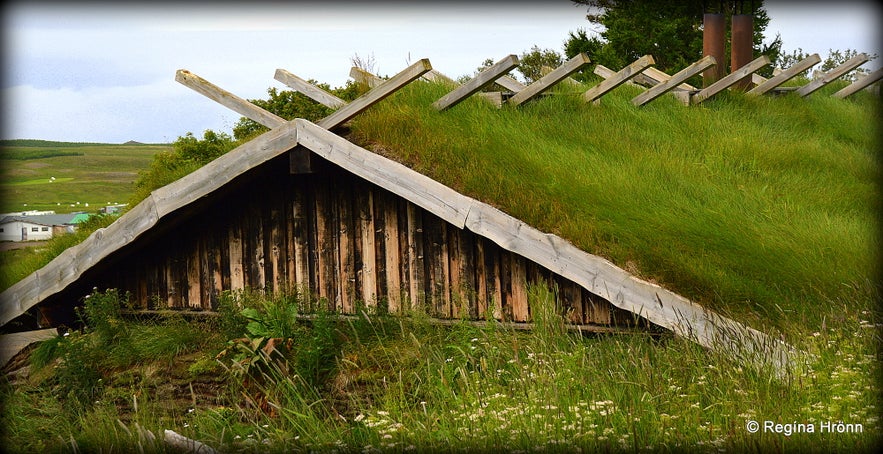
311, 91
784, 76
730, 79
832, 75
619, 78
859, 84
376, 95
544, 83
658, 77
227, 99
673, 82
483, 79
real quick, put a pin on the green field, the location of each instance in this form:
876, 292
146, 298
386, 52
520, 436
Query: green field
86, 176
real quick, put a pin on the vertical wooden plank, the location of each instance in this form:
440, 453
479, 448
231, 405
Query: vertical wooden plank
416, 261
572, 298
299, 234
276, 246
206, 274
237, 274
368, 251
404, 255
462, 273
520, 309
392, 255
481, 278
325, 269
453, 249
194, 284
345, 239
597, 309
505, 285
435, 231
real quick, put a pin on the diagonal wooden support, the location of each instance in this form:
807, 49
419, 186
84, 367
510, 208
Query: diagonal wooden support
483, 79
657, 76
786, 75
859, 84
546, 82
619, 78
510, 84
730, 79
606, 73
227, 99
377, 94
311, 91
435, 76
832, 75
364, 77
673, 82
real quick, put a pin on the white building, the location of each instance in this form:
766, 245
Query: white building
38, 227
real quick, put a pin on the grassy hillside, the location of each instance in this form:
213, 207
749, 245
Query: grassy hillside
764, 208
85, 173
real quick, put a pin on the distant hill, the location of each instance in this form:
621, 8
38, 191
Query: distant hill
132, 142
45, 143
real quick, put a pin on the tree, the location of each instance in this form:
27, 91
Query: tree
531, 63
669, 31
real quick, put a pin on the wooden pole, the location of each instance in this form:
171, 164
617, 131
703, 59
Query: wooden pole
713, 44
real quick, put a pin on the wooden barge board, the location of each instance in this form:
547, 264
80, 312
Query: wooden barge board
596, 275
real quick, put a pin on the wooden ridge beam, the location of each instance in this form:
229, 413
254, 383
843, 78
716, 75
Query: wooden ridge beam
376, 94
606, 73
311, 91
227, 99
730, 79
659, 76
483, 79
509, 83
859, 84
546, 82
619, 78
832, 75
784, 76
674, 81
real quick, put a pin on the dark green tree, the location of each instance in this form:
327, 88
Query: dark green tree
531, 63
669, 31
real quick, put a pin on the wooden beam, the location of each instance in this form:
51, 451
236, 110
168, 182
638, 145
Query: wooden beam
377, 94
474, 85
311, 91
431, 195
435, 76
659, 76
730, 79
510, 84
227, 99
673, 82
364, 77
784, 76
619, 78
832, 75
544, 83
607, 73
859, 84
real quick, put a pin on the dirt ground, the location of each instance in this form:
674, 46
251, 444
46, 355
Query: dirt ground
10, 245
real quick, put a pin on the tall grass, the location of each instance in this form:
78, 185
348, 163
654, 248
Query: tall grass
762, 207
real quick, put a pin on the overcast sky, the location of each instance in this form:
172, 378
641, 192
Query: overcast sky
105, 73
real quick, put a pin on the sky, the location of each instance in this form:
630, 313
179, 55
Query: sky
105, 72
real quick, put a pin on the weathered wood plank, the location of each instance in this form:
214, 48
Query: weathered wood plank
194, 281
730, 79
675, 80
832, 75
859, 84
325, 259
300, 235
435, 76
546, 82
474, 85
227, 99
368, 249
605, 72
653, 76
509, 83
237, 273
309, 90
364, 77
416, 264
518, 301
376, 95
619, 78
420, 189
346, 241
392, 258
786, 75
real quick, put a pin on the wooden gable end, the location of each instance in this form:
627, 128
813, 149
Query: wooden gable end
339, 238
